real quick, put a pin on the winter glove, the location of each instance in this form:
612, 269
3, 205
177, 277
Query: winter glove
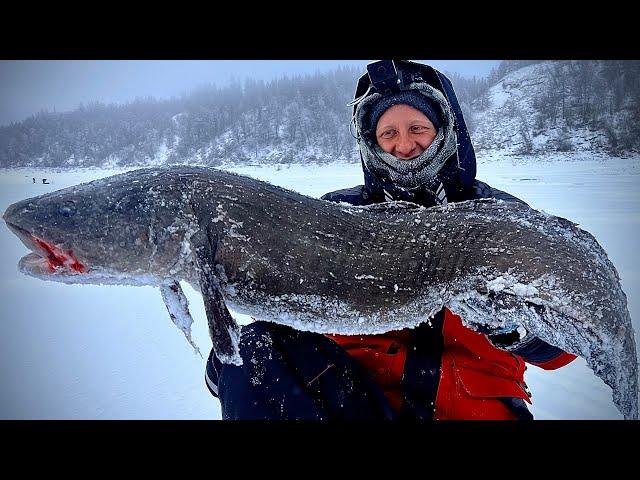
511, 337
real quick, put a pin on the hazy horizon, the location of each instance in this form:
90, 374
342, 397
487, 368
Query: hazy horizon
31, 86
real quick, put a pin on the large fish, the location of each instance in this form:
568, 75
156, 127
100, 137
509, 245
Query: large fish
326, 267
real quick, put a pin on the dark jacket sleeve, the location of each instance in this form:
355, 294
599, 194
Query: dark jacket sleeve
353, 195
532, 350
543, 355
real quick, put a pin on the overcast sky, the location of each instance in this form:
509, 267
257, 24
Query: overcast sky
28, 86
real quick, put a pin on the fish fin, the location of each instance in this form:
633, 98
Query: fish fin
178, 307
223, 329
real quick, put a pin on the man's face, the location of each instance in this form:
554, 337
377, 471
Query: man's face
404, 132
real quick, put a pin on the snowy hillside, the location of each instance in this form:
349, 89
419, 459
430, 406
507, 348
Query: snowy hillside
533, 109
554, 107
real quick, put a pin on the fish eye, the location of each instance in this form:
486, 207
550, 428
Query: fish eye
68, 208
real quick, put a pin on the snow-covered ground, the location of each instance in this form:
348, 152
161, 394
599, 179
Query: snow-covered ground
109, 352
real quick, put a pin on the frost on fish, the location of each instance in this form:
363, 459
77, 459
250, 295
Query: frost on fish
336, 268
234, 357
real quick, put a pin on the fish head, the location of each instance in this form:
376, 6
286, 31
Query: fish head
123, 225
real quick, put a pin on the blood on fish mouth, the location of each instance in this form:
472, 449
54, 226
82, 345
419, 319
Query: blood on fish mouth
54, 256
58, 258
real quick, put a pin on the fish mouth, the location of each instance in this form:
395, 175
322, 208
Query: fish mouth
46, 257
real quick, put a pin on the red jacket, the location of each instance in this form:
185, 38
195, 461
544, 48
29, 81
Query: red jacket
474, 374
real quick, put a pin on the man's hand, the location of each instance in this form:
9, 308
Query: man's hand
508, 338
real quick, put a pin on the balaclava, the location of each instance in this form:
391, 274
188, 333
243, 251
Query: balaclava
408, 178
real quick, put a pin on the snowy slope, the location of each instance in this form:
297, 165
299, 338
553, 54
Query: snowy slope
511, 115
